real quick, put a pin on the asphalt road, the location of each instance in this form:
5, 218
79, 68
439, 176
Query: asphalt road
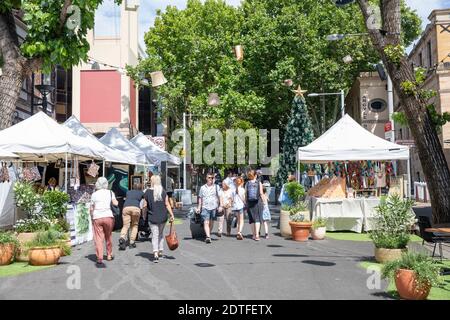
270, 269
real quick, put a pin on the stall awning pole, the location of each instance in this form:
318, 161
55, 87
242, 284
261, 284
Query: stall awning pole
65, 178
104, 175
409, 179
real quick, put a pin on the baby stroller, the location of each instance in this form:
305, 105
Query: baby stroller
144, 231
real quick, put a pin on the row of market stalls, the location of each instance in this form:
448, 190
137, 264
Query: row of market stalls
73, 156
354, 169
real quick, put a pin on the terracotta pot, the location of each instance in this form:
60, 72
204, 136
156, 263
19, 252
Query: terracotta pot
21, 252
6, 253
285, 229
319, 233
383, 255
406, 283
44, 256
300, 230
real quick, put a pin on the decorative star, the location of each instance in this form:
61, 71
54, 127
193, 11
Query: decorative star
299, 92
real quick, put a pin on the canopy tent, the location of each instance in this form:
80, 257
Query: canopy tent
108, 153
40, 138
4, 154
346, 140
153, 152
114, 139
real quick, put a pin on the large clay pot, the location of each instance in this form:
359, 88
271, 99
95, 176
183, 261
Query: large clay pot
6, 253
285, 228
406, 283
383, 255
319, 233
21, 252
44, 256
300, 230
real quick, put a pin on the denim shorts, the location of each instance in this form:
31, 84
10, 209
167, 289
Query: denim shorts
208, 214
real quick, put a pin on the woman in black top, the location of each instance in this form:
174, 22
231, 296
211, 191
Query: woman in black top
158, 208
130, 214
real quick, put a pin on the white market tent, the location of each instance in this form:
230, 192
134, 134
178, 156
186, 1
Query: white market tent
108, 153
346, 140
4, 154
114, 139
153, 152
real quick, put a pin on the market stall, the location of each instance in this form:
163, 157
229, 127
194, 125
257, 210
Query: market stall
357, 168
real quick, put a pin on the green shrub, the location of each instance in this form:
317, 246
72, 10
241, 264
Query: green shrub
295, 191
61, 225
54, 204
26, 197
319, 223
37, 223
8, 237
427, 272
286, 207
297, 217
392, 223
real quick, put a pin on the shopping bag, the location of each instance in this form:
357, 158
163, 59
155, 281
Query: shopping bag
171, 238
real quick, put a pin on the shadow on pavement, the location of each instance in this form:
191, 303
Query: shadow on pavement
284, 255
205, 265
319, 263
145, 255
274, 246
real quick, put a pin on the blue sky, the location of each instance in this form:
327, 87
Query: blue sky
108, 20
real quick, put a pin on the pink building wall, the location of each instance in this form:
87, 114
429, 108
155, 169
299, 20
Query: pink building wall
133, 110
100, 99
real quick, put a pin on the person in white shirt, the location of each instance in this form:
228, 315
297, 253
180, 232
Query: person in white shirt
226, 198
238, 206
229, 180
102, 219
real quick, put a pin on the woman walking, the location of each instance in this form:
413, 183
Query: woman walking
226, 195
253, 192
238, 206
130, 215
102, 219
158, 206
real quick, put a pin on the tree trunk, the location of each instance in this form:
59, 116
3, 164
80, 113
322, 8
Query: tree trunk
430, 151
13, 70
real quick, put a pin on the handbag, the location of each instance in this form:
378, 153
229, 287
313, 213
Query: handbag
36, 173
93, 170
171, 238
115, 209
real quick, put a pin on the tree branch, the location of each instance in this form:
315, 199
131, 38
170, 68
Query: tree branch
63, 14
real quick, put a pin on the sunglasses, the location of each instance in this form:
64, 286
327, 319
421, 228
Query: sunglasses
209, 177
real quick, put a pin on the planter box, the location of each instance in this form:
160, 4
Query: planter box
383, 255
285, 228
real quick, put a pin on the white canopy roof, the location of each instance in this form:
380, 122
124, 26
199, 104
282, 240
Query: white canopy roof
110, 154
347, 140
114, 139
153, 152
4, 154
40, 138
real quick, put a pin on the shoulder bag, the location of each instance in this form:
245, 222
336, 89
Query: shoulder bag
115, 209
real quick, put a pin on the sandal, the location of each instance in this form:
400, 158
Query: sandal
256, 239
110, 258
239, 236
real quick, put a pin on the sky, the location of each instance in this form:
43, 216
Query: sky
108, 16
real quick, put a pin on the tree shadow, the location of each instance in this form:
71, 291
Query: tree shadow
205, 265
274, 246
319, 263
291, 255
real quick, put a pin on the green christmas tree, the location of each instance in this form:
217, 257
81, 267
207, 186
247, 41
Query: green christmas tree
298, 133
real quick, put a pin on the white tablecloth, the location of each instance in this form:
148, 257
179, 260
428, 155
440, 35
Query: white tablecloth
344, 214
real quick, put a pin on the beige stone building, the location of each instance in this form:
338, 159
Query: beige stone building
432, 52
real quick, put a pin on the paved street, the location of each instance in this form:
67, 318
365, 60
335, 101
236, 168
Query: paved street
226, 269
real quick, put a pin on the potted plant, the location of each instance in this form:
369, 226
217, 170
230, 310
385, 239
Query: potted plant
54, 204
319, 228
299, 222
392, 224
414, 275
26, 230
8, 244
295, 192
46, 248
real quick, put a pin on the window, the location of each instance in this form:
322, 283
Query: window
430, 58
377, 105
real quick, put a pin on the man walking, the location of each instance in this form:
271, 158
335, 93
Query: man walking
209, 203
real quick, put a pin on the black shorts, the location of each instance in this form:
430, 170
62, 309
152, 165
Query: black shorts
170, 194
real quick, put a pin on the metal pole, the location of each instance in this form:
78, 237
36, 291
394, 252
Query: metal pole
391, 106
184, 152
104, 168
342, 103
409, 179
65, 178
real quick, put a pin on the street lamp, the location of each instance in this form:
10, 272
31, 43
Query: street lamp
45, 90
341, 93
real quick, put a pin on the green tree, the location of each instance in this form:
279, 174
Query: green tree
298, 133
56, 36
390, 46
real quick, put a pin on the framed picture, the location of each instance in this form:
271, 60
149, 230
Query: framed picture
137, 179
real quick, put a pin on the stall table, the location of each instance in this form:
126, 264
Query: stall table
345, 214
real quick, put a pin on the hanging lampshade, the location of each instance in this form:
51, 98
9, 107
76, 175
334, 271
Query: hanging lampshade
239, 52
158, 78
213, 100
